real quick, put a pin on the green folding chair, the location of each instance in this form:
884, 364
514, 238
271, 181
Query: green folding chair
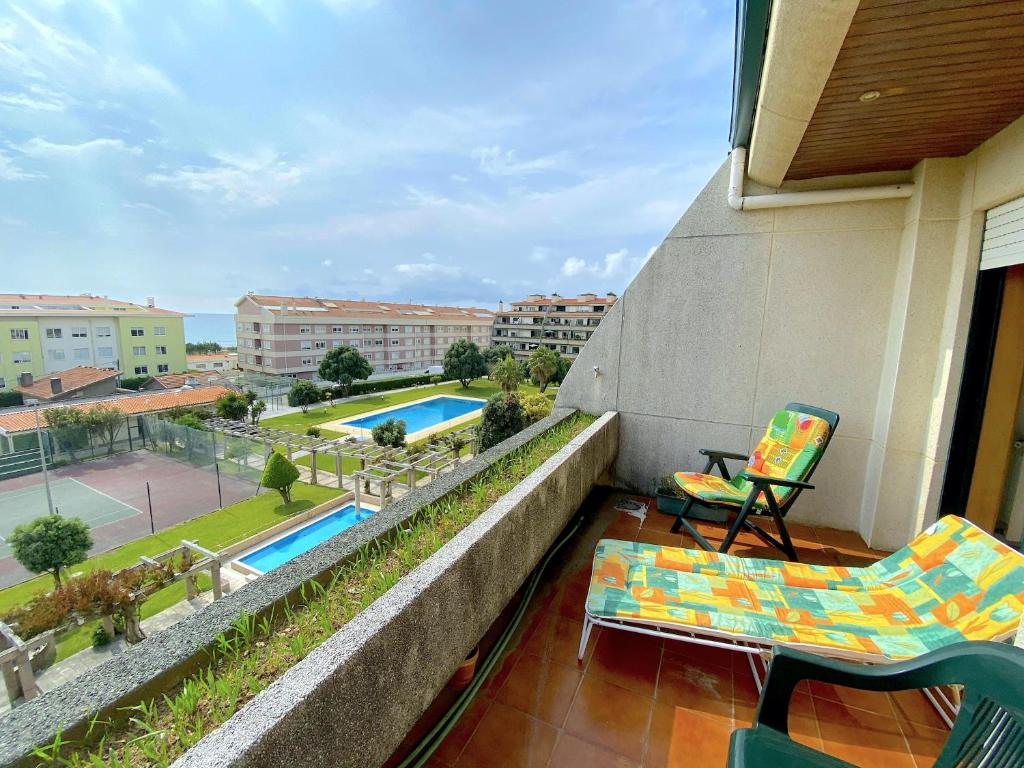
776, 472
989, 727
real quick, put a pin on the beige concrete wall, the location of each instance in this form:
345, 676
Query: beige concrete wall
858, 307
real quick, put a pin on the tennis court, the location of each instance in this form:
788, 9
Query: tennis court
111, 496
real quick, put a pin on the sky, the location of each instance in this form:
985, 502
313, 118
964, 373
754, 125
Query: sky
430, 151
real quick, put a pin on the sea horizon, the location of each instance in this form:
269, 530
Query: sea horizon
211, 326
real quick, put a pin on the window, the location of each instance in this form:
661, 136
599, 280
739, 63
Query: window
378, 329
79, 332
394, 342
22, 357
320, 345
354, 343
138, 332
378, 342
54, 333
305, 345
104, 351
320, 328
19, 333
395, 329
408, 329
159, 330
354, 329
103, 331
56, 354
163, 368
303, 329
82, 353
268, 345
337, 329
160, 349
141, 370
138, 351
218, 365
307, 361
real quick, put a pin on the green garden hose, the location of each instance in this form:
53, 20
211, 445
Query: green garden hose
426, 746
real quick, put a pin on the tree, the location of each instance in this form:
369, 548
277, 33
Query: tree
50, 543
256, 410
133, 382
280, 474
564, 364
508, 373
202, 347
497, 353
503, 416
463, 361
68, 428
543, 363
343, 365
232, 405
104, 422
389, 433
303, 394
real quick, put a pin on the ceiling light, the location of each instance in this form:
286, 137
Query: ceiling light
869, 95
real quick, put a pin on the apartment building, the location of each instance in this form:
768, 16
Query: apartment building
562, 323
289, 336
42, 334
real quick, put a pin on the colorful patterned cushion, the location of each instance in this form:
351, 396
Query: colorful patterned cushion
954, 582
790, 447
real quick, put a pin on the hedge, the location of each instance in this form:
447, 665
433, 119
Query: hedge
10, 399
383, 385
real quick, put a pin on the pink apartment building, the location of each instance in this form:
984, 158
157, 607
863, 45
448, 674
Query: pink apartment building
289, 336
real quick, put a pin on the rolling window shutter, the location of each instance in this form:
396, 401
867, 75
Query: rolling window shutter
1003, 242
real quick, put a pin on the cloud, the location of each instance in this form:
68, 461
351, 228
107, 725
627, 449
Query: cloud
39, 147
459, 178
497, 162
611, 266
327, 262
10, 171
539, 254
260, 179
34, 99
489, 281
285, 268
430, 270
146, 207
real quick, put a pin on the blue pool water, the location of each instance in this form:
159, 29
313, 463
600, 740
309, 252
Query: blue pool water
422, 415
294, 544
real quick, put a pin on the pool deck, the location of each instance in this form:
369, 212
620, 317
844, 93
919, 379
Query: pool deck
343, 425
248, 571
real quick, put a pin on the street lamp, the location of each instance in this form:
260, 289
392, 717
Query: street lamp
42, 454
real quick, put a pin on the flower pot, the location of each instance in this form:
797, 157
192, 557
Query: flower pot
464, 674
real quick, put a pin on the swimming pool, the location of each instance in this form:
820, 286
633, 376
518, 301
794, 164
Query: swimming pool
304, 539
421, 415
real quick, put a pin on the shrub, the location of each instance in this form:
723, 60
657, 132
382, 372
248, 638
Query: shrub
390, 433
133, 382
10, 399
502, 417
436, 379
50, 543
313, 431
232, 405
280, 474
189, 420
100, 638
463, 361
536, 407
383, 385
508, 373
303, 394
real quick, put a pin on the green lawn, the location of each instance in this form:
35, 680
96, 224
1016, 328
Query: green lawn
214, 531
298, 422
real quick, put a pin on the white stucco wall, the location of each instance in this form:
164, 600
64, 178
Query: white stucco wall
859, 307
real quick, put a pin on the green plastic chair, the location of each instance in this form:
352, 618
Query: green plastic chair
988, 731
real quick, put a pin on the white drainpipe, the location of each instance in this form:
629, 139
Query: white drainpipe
737, 201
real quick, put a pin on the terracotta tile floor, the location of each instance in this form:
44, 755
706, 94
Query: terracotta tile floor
640, 701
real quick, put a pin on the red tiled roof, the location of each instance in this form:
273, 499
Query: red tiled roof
179, 380
146, 402
567, 300
212, 356
84, 302
70, 380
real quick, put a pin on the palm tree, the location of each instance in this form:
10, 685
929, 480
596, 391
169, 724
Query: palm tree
508, 373
543, 363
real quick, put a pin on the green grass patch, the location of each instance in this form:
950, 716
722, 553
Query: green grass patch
215, 531
248, 659
298, 422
